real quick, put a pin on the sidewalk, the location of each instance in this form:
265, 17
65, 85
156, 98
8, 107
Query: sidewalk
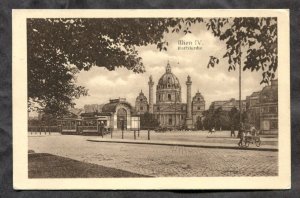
186, 144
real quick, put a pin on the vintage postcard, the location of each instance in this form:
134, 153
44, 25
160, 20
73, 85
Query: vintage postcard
151, 99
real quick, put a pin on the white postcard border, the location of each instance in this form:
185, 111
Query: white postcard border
20, 135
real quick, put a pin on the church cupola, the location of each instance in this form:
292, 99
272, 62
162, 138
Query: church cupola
168, 89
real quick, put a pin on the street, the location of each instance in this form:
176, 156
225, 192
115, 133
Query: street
159, 161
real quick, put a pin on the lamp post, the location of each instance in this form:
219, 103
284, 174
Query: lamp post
240, 88
122, 128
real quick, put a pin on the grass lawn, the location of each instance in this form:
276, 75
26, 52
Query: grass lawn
44, 165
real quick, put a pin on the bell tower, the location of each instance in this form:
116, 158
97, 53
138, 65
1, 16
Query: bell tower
150, 83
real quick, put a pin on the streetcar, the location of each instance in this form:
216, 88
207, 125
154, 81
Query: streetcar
87, 125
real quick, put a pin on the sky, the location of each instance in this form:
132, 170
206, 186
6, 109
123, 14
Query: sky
214, 83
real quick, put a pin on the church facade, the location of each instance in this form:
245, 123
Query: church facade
168, 108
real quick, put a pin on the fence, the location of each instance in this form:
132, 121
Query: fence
44, 129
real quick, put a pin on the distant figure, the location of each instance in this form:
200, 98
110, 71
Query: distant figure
101, 128
122, 125
232, 134
241, 130
242, 136
253, 131
211, 130
248, 134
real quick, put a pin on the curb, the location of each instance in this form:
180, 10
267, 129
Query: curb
188, 145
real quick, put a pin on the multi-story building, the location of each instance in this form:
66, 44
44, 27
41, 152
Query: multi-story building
227, 105
263, 108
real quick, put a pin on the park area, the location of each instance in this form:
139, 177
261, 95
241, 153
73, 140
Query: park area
168, 154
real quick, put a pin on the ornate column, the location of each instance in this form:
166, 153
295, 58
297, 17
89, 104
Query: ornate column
150, 83
189, 121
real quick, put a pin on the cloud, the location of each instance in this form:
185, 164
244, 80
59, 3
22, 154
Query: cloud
214, 83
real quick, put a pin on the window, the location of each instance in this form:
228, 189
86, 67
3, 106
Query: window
169, 97
273, 110
159, 97
198, 108
141, 108
266, 109
141, 100
198, 99
170, 121
274, 125
157, 108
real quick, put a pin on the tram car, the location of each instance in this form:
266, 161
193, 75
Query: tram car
87, 125
69, 125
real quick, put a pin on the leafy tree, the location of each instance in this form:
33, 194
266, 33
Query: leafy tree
234, 117
256, 37
199, 124
59, 48
148, 121
209, 121
217, 118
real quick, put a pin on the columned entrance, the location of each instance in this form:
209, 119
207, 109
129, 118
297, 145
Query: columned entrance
122, 118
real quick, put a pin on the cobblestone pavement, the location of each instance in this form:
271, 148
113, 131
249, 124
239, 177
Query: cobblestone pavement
155, 160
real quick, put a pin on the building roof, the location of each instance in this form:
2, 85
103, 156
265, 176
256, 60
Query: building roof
228, 103
111, 107
95, 114
255, 94
93, 108
76, 111
269, 94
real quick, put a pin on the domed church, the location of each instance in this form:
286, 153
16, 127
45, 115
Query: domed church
169, 109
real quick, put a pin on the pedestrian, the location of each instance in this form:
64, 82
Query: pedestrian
232, 131
212, 129
241, 129
101, 128
253, 130
242, 136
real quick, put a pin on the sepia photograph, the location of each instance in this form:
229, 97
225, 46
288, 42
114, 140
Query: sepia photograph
190, 95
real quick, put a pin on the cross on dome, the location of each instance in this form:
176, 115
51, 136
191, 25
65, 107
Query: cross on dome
168, 68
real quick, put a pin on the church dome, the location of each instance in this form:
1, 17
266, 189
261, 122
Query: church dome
168, 80
141, 97
198, 97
